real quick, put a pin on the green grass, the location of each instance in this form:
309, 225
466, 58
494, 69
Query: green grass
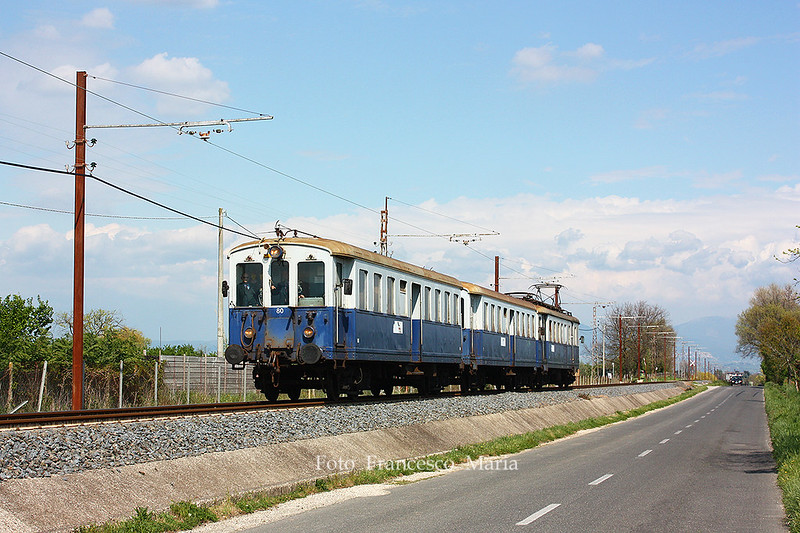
185, 515
783, 416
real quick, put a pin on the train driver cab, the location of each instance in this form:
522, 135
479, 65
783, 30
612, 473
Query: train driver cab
281, 280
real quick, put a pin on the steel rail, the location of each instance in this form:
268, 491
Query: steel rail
77, 417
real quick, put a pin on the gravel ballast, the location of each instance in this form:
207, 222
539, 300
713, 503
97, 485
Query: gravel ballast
56, 451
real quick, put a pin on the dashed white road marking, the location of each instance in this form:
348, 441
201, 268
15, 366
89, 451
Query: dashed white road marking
600, 479
690, 425
696, 421
679, 432
664, 441
538, 514
645, 453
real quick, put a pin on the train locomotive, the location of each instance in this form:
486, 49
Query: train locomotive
312, 313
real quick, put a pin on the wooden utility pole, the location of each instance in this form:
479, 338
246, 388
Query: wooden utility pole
80, 211
220, 303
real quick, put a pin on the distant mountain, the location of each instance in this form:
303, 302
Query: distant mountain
717, 335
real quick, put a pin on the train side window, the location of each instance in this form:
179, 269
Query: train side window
426, 304
311, 283
249, 284
457, 319
279, 282
362, 290
402, 300
437, 305
376, 293
390, 295
485, 316
446, 318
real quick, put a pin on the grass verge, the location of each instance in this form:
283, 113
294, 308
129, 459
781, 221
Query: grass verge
783, 417
185, 515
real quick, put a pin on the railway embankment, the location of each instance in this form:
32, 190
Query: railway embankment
93, 474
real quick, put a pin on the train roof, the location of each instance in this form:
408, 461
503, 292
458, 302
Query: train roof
347, 250
538, 306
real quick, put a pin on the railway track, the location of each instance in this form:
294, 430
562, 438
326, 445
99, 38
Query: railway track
65, 418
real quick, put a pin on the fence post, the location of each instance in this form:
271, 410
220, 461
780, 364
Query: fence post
10, 381
41, 387
244, 385
219, 378
188, 380
155, 394
120, 383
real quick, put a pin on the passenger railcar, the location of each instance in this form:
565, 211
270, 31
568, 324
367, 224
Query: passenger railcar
318, 313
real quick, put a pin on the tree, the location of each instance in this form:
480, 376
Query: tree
182, 349
641, 336
792, 255
770, 329
106, 339
24, 329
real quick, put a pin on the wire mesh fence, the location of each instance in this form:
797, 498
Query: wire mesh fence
169, 380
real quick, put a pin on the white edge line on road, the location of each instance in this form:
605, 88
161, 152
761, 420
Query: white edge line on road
538, 514
664, 441
600, 479
645, 453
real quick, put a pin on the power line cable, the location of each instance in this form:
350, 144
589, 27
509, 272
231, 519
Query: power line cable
178, 95
66, 212
251, 232
219, 147
121, 189
441, 215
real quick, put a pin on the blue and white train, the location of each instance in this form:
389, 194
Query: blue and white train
321, 314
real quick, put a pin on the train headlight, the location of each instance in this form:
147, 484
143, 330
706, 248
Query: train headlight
249, 333
275, 252
308, 333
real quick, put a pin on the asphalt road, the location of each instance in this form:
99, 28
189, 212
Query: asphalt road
703, 464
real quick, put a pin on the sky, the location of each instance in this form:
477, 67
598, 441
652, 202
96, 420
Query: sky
628, 150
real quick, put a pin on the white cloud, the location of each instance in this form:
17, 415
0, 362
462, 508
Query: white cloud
198, 4
589, 51
648, 119
616, 176
100, 18
723, 96
181, 75
47, 32
695, 258
546, 65
721, 48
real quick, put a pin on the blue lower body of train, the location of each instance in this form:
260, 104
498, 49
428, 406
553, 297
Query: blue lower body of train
347, 351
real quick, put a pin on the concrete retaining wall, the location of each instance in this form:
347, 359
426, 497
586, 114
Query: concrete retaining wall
96, 496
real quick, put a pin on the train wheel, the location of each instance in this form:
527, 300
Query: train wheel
375, 390
294, 392
331, 388
271, 392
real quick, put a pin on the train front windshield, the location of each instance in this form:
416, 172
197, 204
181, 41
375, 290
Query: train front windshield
249, 285
311, 283
279, 282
